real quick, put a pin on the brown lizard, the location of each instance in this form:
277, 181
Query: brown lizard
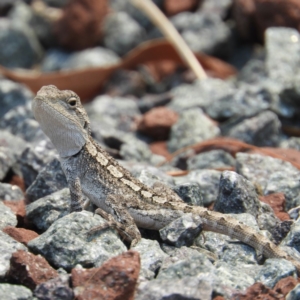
123, 200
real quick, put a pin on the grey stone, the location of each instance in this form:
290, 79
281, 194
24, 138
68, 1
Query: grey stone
204, 32
7, 217
8, 246
293, 237
282, 53
192, 127
137, 150
35, 20
19, 121
240, 254
134, 12
182, 231
92, 57
13, 144
31, 163
56, 3
200, 94
291, 143
275, 269
50, 179
246, 100
122, 33
211, 160
46, 210
14, 292
208, 180
261, 130
294, 294
185, 288
151, 257
56, 288
10, 192
7, 161
54, 60
67, 242
288, 105
20, 47
88, 58
12, 94
271, 175
116, 112
236, 195
235, 277
190, 192
219, 8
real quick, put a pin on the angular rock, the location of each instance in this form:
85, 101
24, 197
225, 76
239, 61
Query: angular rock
7, 217
192, 127
7, 161
260, 130
88, 58
8, 246
137, 150
67, 242
151, 257
56, 288
208, 180
14, 292
10, 192
115, 279
20, 122
31, 163
18, 208
49, 180
182, 231
157, 122
184, 288
21, 235
46, 210
21, 48
271, 175
236, 195
293, 237
194, 28
190, 192
285, 285
122, 33
213, 159
29, 269
275, 269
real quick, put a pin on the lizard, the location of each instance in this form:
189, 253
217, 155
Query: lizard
122, 200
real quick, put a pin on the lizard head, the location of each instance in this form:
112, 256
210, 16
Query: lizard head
62, 118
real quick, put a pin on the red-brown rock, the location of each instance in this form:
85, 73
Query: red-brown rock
80, 25
29, 269
157, 122
258, 291
173, 7
285, 285
21, 235
114, 280
160, 148
277, 202
253, 17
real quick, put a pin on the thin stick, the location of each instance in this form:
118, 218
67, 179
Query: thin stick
170, 32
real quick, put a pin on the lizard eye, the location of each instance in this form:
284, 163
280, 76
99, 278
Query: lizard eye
72, 101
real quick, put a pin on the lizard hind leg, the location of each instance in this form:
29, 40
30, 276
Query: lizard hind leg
121, 221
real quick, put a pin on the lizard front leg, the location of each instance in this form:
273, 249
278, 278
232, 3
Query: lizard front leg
119, 219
